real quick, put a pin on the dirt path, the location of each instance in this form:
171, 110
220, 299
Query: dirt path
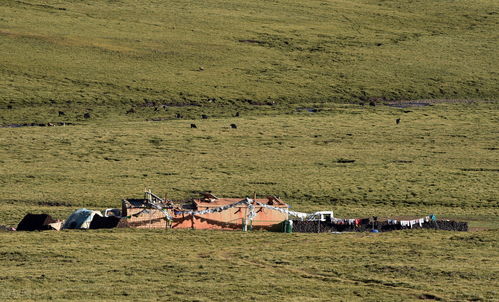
421, 103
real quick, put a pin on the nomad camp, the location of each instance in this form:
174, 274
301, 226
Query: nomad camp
210, 212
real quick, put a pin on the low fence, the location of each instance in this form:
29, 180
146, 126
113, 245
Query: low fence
382, 226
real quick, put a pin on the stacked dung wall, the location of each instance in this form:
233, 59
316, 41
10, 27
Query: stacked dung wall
209, 212
234, 216
230, 219
141, 217
383, 226
149, 219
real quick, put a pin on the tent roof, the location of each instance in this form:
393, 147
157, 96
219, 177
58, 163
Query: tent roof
80, 219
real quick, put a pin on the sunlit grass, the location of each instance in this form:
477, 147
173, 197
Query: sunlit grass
264, 60
101, 52
437, 160
185, 265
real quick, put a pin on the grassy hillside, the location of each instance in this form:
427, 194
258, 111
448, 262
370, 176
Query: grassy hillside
258, 52
440, 159
292, 69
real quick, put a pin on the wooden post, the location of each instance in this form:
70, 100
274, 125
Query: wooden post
251, 221
244, 220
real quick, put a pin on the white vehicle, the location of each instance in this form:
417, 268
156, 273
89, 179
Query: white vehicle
321, 216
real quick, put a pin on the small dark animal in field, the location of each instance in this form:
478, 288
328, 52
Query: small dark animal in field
204, 117
178, 115
372, 103
61, 113
50, 124
233, 126
9, 106
237, 114
131, 110
86, 115
345, 161
161, 106
193, 126
397, 121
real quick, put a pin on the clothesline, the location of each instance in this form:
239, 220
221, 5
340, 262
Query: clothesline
252, 214
215, 210
248, 201
284, 210
404, 223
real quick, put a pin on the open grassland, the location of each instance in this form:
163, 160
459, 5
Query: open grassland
440, 159
114, 52
234, 266
264, 59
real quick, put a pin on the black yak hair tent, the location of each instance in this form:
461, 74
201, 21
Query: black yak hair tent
35, 222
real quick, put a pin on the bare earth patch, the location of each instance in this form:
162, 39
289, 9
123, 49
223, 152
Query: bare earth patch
421, 103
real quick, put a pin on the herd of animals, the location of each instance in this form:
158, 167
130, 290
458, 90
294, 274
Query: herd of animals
132, 110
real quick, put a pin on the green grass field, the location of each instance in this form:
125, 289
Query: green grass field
270, 61
440, 159
235, 266
257, 52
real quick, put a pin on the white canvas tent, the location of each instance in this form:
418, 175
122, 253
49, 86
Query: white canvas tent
80, 219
